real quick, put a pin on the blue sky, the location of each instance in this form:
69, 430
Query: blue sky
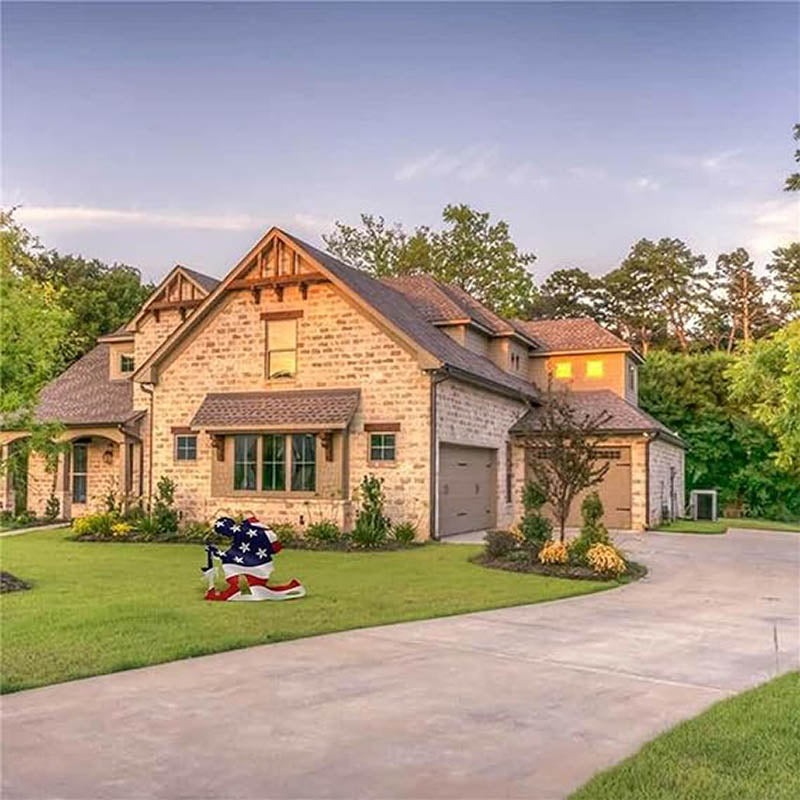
157, 133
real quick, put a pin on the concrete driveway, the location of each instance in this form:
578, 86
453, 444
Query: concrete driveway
524, 702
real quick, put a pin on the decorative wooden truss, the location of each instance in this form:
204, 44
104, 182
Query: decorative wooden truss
275, 266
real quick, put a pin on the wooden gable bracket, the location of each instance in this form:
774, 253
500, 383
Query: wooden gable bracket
157, 314
279, 292
326, 440
218, 443
257, 295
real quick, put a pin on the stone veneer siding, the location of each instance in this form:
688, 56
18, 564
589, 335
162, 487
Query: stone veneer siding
337, 346
472, 416
663, 457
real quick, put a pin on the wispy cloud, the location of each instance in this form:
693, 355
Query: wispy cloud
92, 216
765, 226
585, 173
469, 164
711, 162
644, 184
526, 174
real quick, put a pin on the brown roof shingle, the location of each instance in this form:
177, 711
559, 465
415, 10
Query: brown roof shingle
580, 333
625, 417
83, 394
206, 281
333, 408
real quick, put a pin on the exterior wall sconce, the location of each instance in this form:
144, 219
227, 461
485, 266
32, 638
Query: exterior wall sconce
108, 454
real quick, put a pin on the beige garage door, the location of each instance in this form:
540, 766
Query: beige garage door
614, 491
466, 489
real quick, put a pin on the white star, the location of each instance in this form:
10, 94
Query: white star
261, 552
236, 528
244, 547
251, 533
238, 559
219, 524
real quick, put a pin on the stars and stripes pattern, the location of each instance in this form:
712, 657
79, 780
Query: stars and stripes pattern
248, 559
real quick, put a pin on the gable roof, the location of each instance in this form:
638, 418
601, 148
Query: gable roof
206, 282
83, 394
625, 416
388, 304
578, 334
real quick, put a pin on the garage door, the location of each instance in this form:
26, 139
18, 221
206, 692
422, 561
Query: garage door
467, 488
614, 491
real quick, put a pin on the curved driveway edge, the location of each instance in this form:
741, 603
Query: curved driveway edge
524, 702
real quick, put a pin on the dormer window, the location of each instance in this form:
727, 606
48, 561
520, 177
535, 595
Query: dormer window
594, 368
515, 362
631, 377
126, 363
563, 370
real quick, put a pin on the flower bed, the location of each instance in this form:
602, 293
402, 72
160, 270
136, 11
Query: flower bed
522, 563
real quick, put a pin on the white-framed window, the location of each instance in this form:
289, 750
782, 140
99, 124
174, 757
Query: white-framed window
382, 447
80, 471
281, 348
186, 447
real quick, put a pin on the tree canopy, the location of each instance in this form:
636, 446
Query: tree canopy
470, 251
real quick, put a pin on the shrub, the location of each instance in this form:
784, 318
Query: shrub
592, 531
148, 527
287, 534
52, 508
164, 513
404, 533
605, 559
324, 533
372, 525
196, 531
499, 543
536, 530
99, 525
553, 553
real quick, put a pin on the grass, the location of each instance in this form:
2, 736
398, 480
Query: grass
724, 523
744, 748
103, 607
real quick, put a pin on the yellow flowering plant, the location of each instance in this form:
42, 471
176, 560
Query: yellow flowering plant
605, 560
553, 553
121, 529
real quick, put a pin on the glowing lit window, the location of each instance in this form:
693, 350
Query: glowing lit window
594, 369
564, 369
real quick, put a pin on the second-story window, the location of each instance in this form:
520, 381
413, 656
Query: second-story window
631, 377
563, 370
281, 348
594, 368
126, 363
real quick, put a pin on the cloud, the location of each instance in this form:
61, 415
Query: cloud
713, 162
765, 226
525, 174
470, 164
644, 184
93, 217
587, 173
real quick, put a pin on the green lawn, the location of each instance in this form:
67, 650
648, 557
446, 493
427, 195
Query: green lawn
102, 607
745, 748
722, 525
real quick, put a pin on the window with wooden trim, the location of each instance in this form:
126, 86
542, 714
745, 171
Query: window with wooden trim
563, 369
304, 462
273, 462
509, 473
382, 447
594, 368
281, 348
186, 447
80, 471
126, 363
245, 449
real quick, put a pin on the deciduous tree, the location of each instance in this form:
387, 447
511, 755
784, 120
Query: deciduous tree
793, 181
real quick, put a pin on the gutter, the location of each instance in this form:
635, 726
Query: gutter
488, 383
437, 376
149, 388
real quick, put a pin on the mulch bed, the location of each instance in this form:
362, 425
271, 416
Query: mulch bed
575, 572
10, 583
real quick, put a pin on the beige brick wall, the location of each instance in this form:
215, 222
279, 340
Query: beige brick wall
469, 415
665, 457
337, 346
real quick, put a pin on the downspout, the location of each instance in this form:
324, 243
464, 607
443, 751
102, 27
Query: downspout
149, 388
646, 481
437, 376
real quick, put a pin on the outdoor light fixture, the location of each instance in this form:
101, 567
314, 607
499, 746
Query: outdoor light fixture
108, 455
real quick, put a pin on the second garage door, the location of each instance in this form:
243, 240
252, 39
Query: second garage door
467, 488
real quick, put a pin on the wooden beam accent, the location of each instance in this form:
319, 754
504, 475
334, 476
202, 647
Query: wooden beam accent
278, 280
279, 292
381, 427
257, 295
182, 429
168, 304
326, 440
273, 315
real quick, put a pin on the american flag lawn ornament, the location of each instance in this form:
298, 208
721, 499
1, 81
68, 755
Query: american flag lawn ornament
241, 572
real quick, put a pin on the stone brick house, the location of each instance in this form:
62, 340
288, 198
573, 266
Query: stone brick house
275, 390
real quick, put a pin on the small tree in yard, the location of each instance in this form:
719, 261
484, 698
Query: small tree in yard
564, 449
